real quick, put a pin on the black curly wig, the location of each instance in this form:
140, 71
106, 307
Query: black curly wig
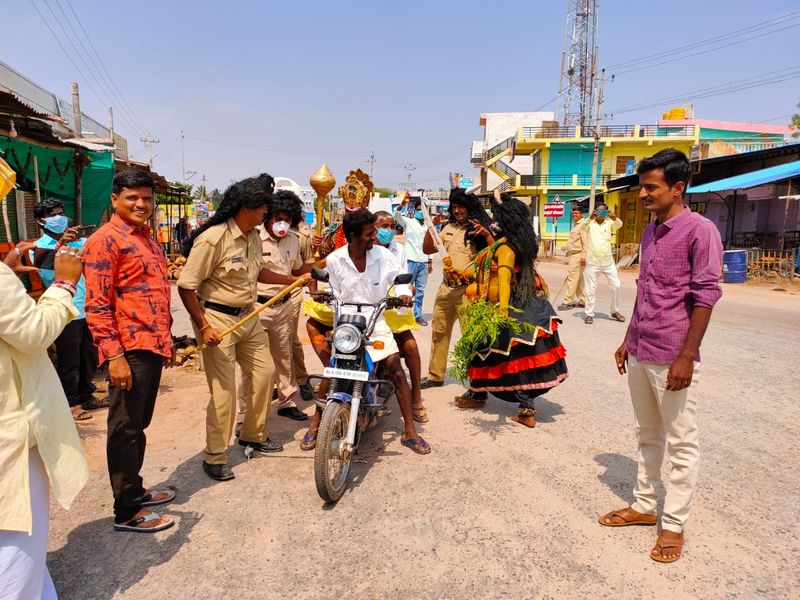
475, 210
253, 192
514, 220
286, 201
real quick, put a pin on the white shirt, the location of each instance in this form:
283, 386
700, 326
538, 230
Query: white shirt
369, 287
399, 252
599, 252
414, 234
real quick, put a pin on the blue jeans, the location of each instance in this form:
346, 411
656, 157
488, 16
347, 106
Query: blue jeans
419, 270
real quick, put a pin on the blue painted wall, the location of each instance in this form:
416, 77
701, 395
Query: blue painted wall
566, 159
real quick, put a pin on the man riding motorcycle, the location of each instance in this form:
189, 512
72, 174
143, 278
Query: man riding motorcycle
362, 272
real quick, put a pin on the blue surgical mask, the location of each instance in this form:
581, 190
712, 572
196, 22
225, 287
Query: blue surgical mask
56, 223
385, 236
418, 215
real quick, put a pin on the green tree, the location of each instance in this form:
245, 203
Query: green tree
795, 124
215, 198
384, 191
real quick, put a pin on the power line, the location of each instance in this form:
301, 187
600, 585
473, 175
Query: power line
102, 70
720, 89
708, 41
684, 56
254, 146
98, 95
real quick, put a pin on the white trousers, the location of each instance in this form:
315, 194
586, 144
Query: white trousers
664, 419
590, 274
23, 566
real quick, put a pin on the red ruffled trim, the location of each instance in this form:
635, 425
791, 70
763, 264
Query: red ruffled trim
338, 238
526, 363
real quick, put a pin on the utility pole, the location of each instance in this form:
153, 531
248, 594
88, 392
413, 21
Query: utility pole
371, 160
111, 124
78, 168
187, 175
409, 184
596, 152
148, 143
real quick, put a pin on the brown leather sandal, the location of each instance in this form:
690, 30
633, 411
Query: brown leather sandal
420, 414
628, 516
657, 553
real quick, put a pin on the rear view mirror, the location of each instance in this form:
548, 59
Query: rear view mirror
318, 274
403, 279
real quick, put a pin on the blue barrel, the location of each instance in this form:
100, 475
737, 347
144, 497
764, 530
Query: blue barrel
734, 266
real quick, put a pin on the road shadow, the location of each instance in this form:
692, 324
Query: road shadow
372, 448
503, 411
619, 475
189, 478
97, 563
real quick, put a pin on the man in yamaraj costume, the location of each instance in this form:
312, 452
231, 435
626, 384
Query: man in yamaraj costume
510, 346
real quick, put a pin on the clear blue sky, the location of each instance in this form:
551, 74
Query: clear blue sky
301, 83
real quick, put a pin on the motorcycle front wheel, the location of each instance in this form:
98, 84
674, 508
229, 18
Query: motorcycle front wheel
330, 471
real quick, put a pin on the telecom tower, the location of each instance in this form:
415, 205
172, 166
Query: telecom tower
578, 65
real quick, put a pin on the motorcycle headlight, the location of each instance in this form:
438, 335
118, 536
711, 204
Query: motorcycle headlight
346, 339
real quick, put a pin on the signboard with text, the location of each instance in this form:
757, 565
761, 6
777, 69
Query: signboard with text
554, 210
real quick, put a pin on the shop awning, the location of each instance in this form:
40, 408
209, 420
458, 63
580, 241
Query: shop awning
748, 180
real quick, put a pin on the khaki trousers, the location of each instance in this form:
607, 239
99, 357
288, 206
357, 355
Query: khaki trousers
662, 419
277, 322
445, 313
246, 346
298, 356
575, 280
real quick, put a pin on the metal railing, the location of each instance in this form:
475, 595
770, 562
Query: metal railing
771, 263
529, 133
498, 148
608, 131
561, 180
477, 159
666, 131
505, 169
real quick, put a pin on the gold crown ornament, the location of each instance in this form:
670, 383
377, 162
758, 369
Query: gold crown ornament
356, 192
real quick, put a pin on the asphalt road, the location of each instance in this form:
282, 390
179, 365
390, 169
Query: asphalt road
496, 511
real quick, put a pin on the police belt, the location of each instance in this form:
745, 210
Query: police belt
228, 310
265, 299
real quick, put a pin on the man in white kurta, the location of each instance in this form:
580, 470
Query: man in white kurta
362, 273
600, 227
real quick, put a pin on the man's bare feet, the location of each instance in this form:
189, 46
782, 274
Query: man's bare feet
467, 400
668, 547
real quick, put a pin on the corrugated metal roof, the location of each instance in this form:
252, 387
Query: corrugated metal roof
748, 180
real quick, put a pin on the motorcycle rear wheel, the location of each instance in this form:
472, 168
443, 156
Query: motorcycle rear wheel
330, 471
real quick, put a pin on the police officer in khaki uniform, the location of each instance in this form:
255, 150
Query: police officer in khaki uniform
218, 287
298, 355
281, 253
576, 251
464, 214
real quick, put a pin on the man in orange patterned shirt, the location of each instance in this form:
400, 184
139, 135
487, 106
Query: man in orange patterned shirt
127, 309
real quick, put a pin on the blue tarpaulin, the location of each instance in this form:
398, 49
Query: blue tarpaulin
748, 180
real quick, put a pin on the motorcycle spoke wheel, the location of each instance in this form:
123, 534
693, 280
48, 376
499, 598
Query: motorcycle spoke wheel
330, 470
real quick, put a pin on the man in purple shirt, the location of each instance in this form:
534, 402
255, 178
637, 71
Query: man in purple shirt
681, 256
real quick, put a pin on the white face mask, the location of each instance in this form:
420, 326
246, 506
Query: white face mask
280, 228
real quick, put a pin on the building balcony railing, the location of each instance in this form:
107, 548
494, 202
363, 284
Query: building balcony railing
606, 131
561, 181
477, 159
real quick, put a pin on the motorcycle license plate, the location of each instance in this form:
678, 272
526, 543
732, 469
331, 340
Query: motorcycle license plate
335, 373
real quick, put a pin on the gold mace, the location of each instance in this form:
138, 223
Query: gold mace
323, 182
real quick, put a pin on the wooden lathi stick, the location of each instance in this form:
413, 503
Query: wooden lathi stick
287, 290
